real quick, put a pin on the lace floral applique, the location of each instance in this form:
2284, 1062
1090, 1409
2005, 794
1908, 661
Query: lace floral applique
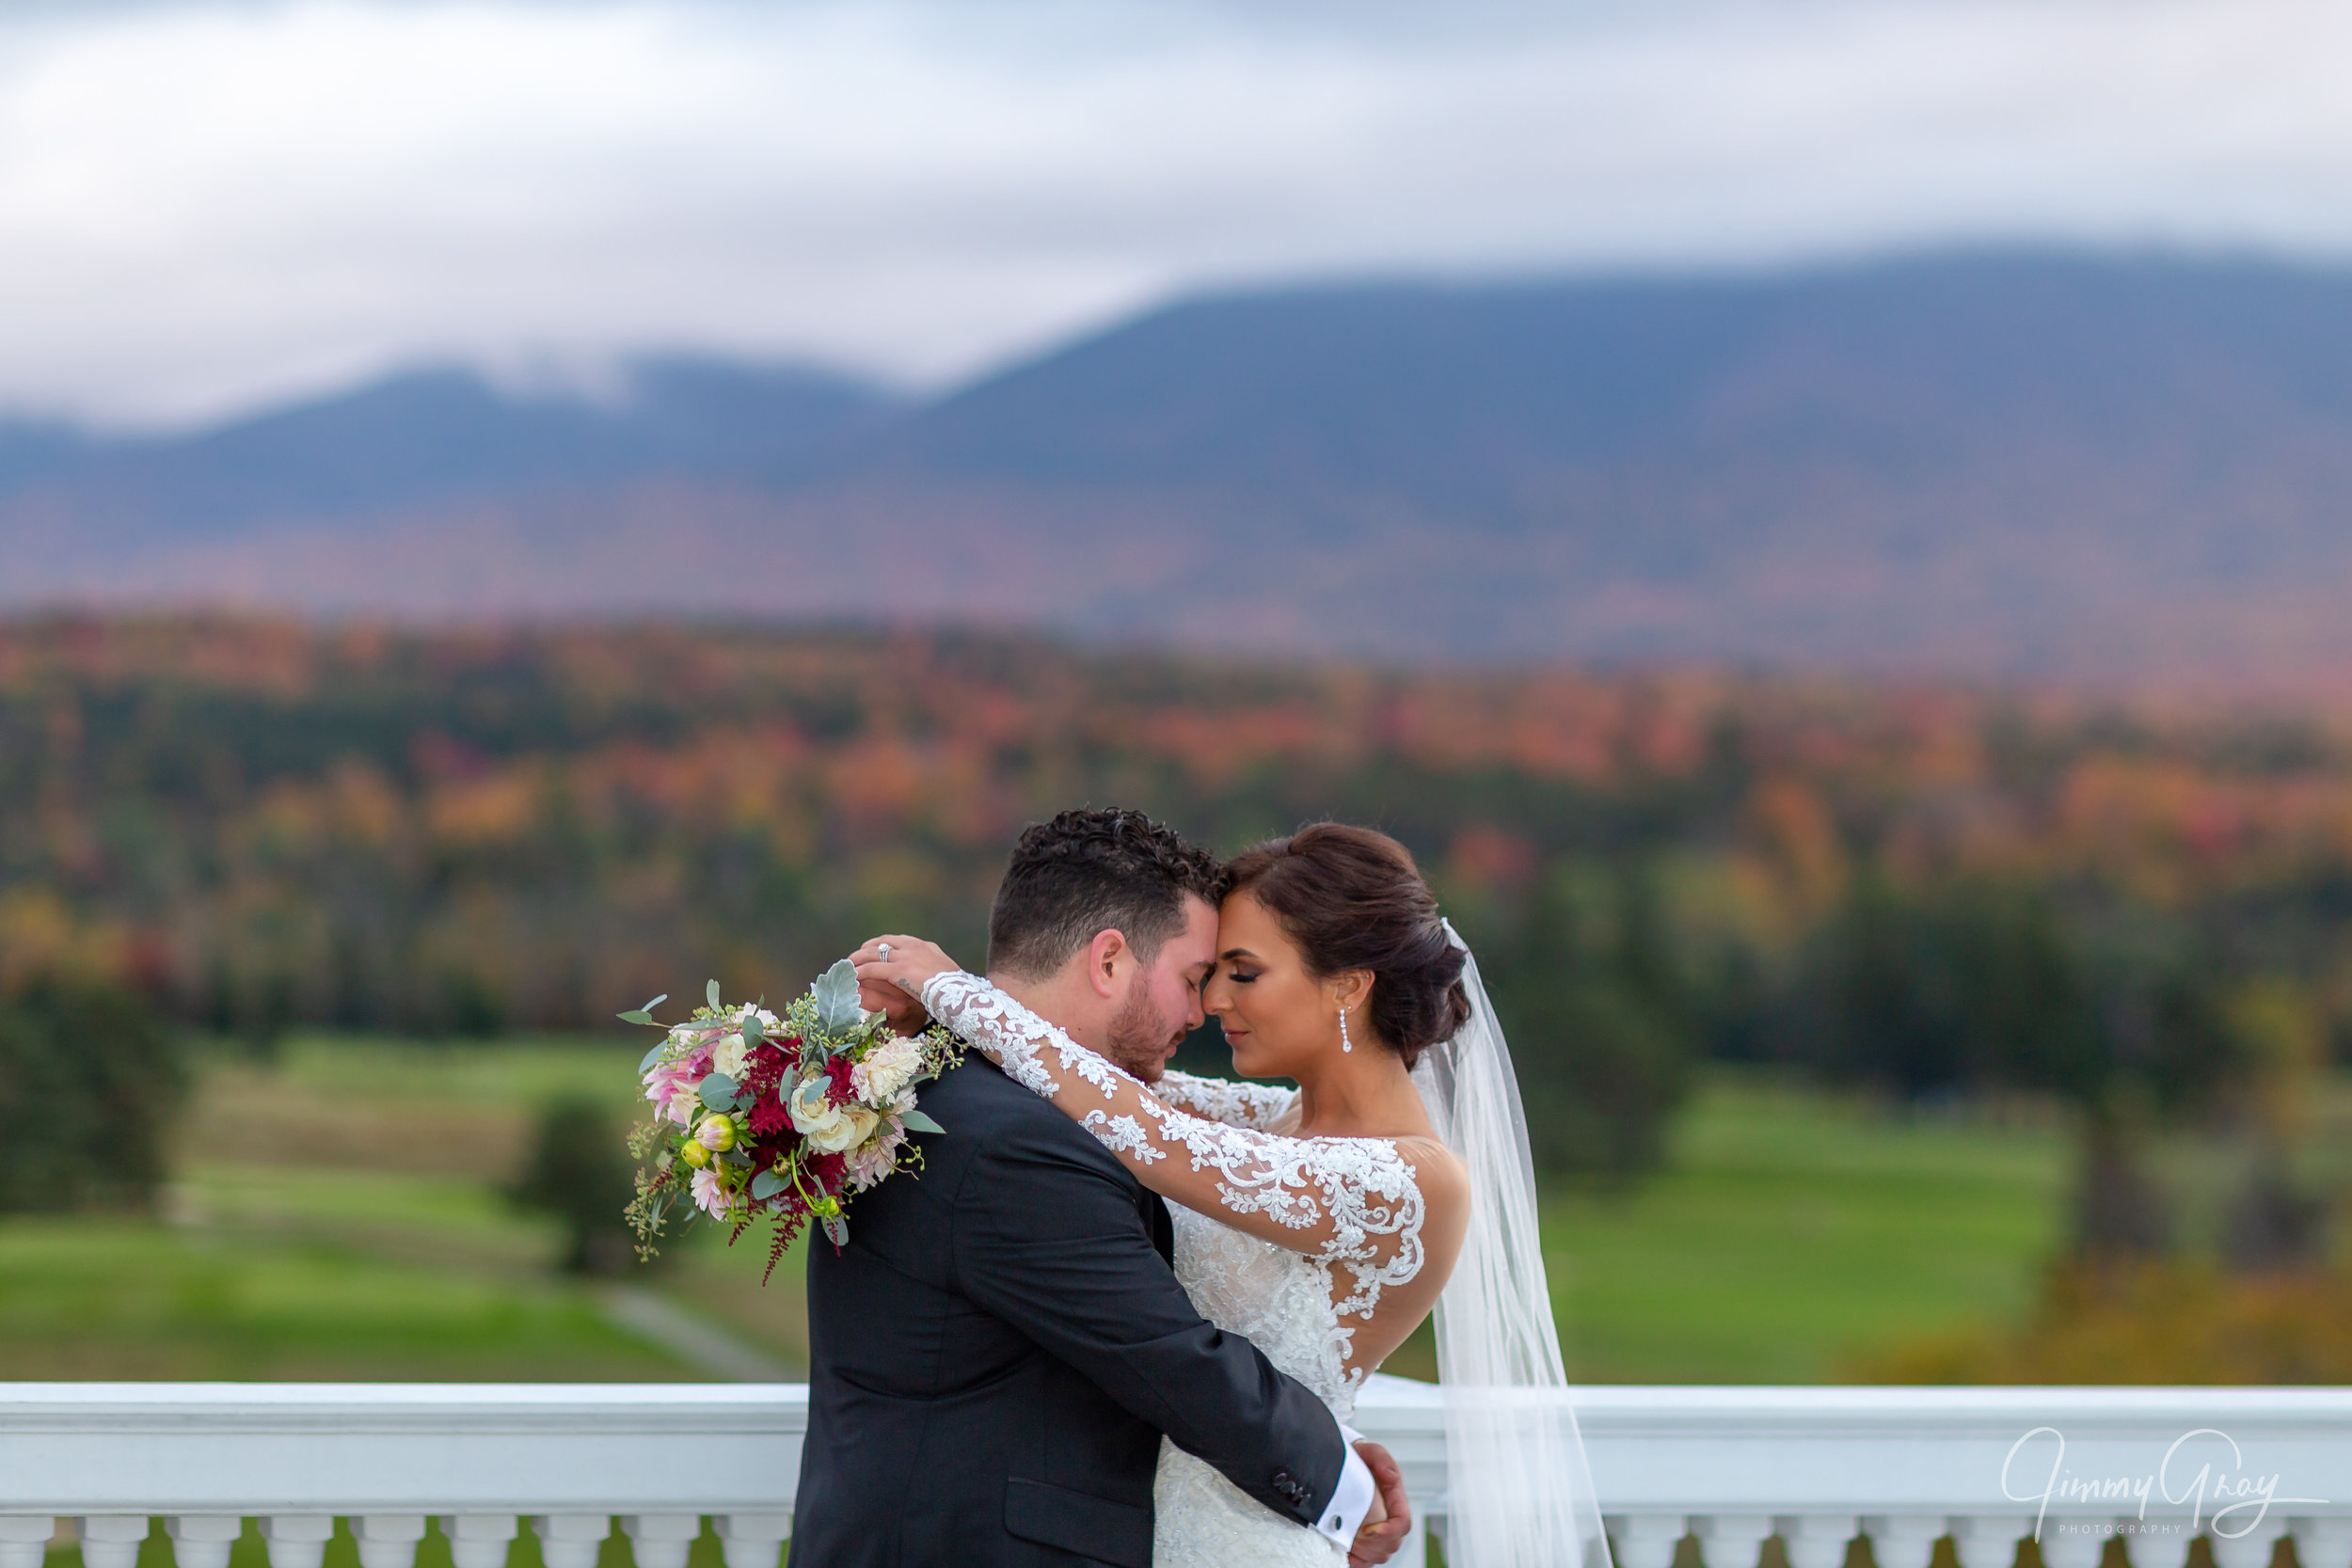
1122, 1135
1347, 1202
1258, 1105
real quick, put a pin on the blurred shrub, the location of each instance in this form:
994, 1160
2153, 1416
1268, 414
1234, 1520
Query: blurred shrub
1601, 1071
89, 1080
580, 1172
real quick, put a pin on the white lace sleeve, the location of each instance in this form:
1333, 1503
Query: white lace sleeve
1259, 1105
1348, 1202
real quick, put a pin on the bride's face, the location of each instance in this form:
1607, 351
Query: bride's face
1275, 1015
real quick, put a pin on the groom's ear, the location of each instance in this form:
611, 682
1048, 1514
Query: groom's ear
1105, 954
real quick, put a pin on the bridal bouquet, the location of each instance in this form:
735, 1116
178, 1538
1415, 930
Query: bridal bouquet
756, 1117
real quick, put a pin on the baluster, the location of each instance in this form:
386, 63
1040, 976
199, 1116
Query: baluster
1903, 1540
662, 1540
297, 1539
2155, 1548
572, 1540
24, 1539
754, 1540
1988, 1540
1732, 1540
202, 1539
2075, 1543
2323, 1543
2252, 1549
1817, 1540
111, 1540
1647, 1540
477, 1540
388, 1539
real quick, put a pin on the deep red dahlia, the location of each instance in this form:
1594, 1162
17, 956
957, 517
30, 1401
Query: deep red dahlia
838, 1069
763, 1069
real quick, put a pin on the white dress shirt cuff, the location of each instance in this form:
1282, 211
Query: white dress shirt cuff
1343, 1515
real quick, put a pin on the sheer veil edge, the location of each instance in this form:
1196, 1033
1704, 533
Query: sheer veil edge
1518, 1492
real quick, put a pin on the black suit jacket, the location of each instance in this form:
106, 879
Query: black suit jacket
1001, 1344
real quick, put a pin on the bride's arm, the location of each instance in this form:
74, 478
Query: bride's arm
1335, 1199
1259, 1105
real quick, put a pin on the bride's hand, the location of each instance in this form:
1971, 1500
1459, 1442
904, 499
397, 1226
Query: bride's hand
902, 964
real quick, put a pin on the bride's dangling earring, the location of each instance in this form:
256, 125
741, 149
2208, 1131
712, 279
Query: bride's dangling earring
1345, 1044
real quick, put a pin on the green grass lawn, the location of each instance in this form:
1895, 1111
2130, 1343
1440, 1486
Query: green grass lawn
1793, 1233
108, 1299
339, 1215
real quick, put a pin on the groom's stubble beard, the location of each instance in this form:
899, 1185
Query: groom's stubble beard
1138, 1039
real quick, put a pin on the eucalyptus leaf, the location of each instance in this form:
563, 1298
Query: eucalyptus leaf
915, 1121
719, 1091
837, 1230
651, 1057
640, 1015
836, 994
753, 1031
711, 988
767, 1184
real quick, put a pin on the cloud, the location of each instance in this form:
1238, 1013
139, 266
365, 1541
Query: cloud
201, 206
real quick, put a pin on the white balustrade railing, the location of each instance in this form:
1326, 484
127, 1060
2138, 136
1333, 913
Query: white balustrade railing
1732, 1467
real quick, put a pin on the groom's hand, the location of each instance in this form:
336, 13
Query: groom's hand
1377, 1541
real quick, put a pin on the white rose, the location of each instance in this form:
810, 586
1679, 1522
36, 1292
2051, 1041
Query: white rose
727, 1056
829, 1129
887, 1068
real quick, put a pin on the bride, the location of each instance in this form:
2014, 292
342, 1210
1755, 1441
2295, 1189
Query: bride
1325, 1223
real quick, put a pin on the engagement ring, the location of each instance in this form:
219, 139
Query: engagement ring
884, 951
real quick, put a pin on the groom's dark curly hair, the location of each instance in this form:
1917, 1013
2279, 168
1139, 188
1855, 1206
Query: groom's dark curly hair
1090, 871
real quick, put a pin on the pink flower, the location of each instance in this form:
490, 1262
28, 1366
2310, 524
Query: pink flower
675, 1092
710, 1194
870, 1162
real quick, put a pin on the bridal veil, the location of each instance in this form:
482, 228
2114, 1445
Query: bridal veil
1519, 1494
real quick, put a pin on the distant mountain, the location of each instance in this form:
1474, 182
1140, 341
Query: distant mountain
2107, 469
427, 439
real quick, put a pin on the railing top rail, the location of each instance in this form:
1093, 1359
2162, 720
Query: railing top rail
1670, 1451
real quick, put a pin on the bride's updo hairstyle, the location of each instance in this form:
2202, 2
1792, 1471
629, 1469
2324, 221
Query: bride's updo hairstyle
1352, 899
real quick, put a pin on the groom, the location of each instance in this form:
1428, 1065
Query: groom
999, 1347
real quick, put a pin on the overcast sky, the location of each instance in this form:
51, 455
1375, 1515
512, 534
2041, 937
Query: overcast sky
207, 206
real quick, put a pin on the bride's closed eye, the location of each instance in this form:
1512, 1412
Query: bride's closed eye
1241, 977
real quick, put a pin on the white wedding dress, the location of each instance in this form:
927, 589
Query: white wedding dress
1288, 1304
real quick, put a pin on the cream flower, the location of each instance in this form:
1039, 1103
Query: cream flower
829, 1129
727, 1056
887, 1068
